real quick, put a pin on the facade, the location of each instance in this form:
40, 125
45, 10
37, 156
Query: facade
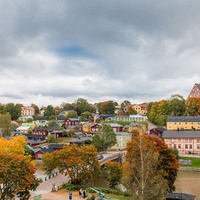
141, 128
183, 123
27, 111
25, 127
141, 108
127, 118
195, 92
122, 139
90, 128
116, 127
49, 130
186, 142
71, 122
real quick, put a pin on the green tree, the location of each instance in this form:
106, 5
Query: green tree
112, 172
79, 163
177, 105
14, 110
105, 138
52, 123
192, 106
5, 124
82, 105
71, 114
86, 116
52, 139
49, 111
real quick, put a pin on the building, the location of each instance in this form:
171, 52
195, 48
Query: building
27, 111
186, 142
183, 123
195, 92
141, 108
122, 139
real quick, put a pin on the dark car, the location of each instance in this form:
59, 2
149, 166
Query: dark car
99, 157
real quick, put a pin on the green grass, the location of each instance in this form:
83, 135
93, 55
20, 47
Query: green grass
195, 162
118, 197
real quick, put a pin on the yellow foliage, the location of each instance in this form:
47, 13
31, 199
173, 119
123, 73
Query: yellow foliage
14, 146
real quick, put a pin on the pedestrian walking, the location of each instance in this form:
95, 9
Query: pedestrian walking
70, 195
80, 192
84, 194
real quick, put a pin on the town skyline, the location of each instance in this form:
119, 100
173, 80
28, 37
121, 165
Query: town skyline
58, 51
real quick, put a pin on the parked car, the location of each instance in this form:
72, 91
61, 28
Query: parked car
99, 157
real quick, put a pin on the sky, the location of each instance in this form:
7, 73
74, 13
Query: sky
56, 51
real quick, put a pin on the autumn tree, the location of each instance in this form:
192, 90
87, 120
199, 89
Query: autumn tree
5, 124
16, 169
106, 107
79, 163
36, 108
105, 138
192, 106
112, 172
150, 169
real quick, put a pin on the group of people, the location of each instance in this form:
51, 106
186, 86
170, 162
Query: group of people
82, 194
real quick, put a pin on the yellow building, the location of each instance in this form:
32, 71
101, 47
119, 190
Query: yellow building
183, 123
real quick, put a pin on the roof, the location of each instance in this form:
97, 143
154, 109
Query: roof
80, 139
183, 119
181, 134
122, 133
181, 196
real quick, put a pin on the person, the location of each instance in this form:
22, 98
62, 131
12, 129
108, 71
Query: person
84, 194
80, 193
70, 195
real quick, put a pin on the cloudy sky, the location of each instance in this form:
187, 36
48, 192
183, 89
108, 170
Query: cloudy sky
55, 51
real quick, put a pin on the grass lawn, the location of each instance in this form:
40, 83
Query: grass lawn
195, 162
118, 197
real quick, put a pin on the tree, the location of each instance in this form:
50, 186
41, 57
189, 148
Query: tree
86, 116
82, 105
16, 169
14, 110
105, 138
177, 105
150, 169
192, 106
5, 124
36, 108
52, 123
79, 163
112, 172
106, 107
71, 114
49, 111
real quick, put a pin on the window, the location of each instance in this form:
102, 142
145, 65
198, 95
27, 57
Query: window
198, 146
179, 146
186, 146
174, 139
190, 146
198, 140
190, 140
174, 145
186, 140
179, 140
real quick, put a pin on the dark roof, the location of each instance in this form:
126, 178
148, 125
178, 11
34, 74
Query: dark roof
56, 146
160, 129
181, 196
181, 134
198, 85
183, 119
